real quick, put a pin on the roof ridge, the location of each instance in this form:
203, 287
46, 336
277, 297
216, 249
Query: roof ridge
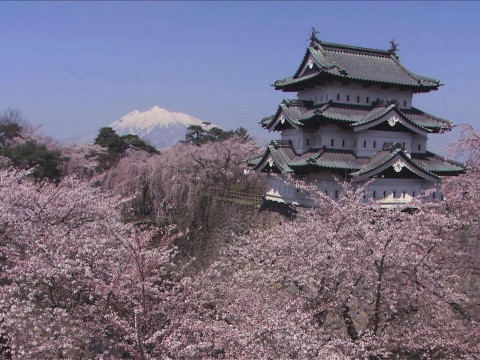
353, 48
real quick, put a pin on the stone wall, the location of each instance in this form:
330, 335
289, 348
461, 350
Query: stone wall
217, 222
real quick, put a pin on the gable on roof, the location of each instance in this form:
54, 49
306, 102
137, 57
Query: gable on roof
275, 159
389, 118
327, 61
308, 67
286, 116
396, 160
300, 113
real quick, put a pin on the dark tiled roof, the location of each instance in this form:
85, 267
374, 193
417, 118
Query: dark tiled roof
287, 160
266, 120
438, 164
330, 159
305, 113
254, 160
379, 159
280, 154
334, 61
376, 113
427, 120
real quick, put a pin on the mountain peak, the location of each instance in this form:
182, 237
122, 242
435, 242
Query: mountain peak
157, 125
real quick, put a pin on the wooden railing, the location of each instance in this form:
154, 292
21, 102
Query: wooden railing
240, 197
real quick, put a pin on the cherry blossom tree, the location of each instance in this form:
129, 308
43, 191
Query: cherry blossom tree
76, 281
467, 145
347, 280
173, 180
81, 160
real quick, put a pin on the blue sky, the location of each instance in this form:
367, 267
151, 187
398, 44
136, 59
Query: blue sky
77, 66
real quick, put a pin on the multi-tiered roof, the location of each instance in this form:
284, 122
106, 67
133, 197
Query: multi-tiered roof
280, 157
304, 114
325, 64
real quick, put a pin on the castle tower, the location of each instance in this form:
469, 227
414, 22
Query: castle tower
353, 120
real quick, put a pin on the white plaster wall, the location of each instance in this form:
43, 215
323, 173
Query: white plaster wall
375, 139
303, 140
342, 139
326, 183
348, 94
419, 144
397, 191
295, 136
308, 140
394, 190
280, 189
384, 191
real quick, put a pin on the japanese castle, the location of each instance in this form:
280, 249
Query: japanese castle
353, 120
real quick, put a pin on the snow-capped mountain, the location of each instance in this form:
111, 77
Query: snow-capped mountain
157, 126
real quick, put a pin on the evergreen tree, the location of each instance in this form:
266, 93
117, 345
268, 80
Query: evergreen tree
108, 138
11, 125
45, 163
198, 135
133, 141
116, 146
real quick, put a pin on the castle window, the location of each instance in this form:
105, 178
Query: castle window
413, 193
358, 99
326, 193
419, 147
404, 103
336, 194
338, 97
332, 142
433, 195
364, 143
308, 142
368, 99
374, 194
343, 143
403, 144
348, 97
384, 194
394, 194
374, 144
404, 194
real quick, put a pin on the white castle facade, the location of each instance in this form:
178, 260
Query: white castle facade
353, 120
